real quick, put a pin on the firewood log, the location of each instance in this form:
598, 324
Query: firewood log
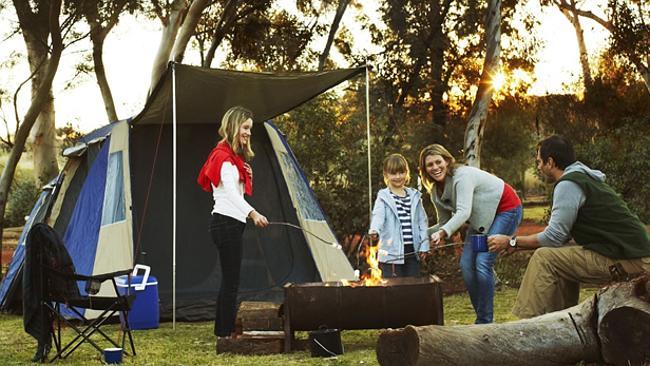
613, 326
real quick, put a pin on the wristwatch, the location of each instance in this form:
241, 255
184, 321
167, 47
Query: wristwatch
513, 242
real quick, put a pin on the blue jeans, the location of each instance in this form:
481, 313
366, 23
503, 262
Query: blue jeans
478, 267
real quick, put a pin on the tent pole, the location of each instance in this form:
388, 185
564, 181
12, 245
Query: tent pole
368, 134
174, 199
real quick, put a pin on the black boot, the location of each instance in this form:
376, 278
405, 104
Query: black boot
42, 352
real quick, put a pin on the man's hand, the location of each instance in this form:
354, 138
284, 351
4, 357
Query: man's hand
500, 244
423, 256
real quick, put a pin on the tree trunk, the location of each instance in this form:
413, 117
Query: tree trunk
38, 101
645, 73
34, 27
582, 47
186, 31
100, 72
340, 10
228, 17
478, 115
171, 25
437, 64
614, 326
44, 147
644, 70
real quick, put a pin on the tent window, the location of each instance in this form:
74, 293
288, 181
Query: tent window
114, 194
307, 204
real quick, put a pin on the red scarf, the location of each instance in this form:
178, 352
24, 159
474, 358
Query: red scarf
211, 170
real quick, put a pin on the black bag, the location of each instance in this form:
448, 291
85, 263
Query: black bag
325, 343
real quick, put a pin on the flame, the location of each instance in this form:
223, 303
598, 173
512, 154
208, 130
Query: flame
373, 276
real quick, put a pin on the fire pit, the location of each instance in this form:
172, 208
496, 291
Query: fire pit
394, 303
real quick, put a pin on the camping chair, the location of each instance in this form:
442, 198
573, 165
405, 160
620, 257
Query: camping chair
52, 274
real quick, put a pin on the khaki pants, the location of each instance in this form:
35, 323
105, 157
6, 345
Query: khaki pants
552, 279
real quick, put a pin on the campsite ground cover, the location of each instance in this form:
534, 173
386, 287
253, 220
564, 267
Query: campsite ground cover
193, 343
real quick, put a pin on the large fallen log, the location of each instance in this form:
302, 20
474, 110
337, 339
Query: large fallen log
613, 327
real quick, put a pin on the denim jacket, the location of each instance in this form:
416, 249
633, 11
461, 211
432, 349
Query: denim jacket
386, 222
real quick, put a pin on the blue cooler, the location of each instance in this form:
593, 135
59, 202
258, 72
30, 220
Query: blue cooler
145, 311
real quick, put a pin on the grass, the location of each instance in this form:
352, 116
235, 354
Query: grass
536, 214
194, 343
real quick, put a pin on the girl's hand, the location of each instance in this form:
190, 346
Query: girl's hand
423, 256
258, 219
249, 170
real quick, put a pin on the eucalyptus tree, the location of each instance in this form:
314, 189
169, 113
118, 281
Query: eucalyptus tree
569, 10
478, 115
432, 56
102, 16
341, 6
34, 22
628, 23
39, 22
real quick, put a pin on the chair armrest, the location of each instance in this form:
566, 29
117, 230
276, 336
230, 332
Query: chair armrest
107, 276
79, 277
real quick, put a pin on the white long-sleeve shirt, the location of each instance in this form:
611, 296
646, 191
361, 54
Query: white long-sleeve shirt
229, 195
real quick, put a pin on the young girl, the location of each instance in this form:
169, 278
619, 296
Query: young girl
228, 176
399, 222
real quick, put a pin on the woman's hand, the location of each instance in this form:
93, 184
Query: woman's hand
437, 238
249, 170
258, 219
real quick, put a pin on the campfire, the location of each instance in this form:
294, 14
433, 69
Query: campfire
341, 305
372, 275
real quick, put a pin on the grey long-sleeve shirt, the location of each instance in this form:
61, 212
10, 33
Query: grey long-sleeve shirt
568, 198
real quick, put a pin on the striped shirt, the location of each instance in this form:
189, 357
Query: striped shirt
404, 214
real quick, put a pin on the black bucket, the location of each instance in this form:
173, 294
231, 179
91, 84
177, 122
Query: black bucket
325, 343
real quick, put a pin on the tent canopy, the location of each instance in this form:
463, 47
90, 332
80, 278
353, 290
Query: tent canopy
129, 163
203, 95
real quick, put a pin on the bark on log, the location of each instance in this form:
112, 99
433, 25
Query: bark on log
613, 326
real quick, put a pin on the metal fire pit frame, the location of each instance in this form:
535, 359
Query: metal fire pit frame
397, 303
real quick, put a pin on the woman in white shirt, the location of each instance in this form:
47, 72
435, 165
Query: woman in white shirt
228, 176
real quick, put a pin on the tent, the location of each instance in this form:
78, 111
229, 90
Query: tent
128, 194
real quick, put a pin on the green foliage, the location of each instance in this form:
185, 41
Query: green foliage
271, 42
509, 140
69, 135
22, 195
621, 153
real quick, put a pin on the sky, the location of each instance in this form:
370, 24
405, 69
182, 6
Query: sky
131, 46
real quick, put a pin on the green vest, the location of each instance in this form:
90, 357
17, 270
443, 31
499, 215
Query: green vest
605, 224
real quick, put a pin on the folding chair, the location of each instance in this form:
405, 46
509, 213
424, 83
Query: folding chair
52, 269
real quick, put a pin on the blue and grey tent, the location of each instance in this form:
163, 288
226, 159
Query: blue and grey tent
128, 194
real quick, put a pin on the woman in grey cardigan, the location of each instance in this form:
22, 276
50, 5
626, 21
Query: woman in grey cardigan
463, 194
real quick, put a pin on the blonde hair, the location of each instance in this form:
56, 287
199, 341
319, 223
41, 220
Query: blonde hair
229, 130
396, 163
435, 149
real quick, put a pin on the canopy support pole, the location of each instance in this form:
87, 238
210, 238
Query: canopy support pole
368, 136
174, 197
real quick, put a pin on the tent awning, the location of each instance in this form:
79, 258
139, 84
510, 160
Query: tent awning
203, 95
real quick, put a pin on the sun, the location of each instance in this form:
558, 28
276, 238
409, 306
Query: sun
498, 81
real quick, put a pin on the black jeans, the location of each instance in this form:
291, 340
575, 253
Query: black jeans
227, 235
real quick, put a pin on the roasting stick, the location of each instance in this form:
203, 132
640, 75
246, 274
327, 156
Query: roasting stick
330, 243
338, 246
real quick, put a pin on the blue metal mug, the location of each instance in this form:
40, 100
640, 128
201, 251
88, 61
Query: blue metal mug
113, 356
479, 242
